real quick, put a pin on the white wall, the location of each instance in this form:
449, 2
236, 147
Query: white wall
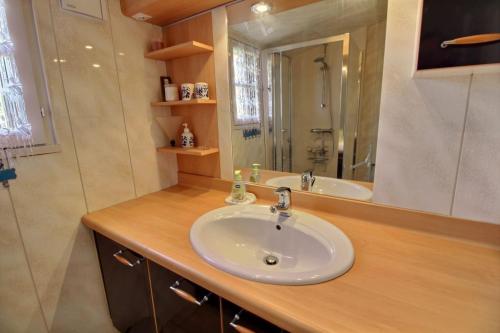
438, 138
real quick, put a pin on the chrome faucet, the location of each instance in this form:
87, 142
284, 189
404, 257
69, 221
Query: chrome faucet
284, 201
307, 180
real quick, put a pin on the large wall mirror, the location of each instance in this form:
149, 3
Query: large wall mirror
305, 80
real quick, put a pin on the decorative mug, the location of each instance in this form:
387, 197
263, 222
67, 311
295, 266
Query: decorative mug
187, 90
201, 90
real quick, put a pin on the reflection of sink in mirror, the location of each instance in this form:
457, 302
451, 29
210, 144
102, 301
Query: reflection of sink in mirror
325, 185
255, 244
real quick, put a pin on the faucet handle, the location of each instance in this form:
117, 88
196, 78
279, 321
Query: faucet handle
307, 173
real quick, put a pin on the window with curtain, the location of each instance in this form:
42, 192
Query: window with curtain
246, 83
15, 128
25, 119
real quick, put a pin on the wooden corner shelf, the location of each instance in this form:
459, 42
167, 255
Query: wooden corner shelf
188, 151
190, 102
179, 51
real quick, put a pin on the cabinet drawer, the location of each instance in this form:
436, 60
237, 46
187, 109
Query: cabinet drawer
126, 284
235, 320
174, 300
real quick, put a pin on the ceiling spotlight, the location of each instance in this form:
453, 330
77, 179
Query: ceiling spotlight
261, 8
89, 47
96, 65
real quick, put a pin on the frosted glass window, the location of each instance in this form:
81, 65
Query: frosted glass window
15, 129
246, 96
23, 92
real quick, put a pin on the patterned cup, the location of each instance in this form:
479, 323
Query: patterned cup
201, 90
187, 90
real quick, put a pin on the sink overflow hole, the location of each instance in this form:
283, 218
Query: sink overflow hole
278, 227
271, 260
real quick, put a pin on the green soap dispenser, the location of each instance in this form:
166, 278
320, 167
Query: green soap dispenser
255, 176
239, 189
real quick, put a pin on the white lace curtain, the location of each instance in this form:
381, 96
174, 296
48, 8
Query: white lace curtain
15, 129
246, 76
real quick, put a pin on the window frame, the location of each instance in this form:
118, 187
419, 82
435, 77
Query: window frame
23, 28
241, 124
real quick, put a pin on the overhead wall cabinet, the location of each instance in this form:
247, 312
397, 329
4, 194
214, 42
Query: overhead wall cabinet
458, 37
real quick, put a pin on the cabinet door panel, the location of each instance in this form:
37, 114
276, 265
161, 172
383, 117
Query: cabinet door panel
444, 20
127, 288
175, 314
245, 320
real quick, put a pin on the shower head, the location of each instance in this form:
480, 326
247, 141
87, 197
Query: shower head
322, 61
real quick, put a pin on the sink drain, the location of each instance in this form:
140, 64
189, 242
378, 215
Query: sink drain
271, 260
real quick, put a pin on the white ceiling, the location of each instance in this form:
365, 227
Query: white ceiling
317, 20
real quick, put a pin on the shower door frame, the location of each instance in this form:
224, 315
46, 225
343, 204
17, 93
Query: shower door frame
266, 53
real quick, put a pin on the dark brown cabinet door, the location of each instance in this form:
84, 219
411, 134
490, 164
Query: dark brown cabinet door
233, 316
177, 312
127, 288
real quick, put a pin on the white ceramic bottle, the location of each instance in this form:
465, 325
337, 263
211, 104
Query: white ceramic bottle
187, 138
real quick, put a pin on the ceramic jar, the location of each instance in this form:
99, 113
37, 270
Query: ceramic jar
201, 90
187, 91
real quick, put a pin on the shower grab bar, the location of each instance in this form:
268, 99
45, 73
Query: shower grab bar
321, 130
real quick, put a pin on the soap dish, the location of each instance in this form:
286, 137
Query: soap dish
250, 198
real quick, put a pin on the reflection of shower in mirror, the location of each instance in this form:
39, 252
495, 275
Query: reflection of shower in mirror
318, 90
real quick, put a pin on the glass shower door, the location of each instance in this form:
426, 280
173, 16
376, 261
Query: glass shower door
282, 109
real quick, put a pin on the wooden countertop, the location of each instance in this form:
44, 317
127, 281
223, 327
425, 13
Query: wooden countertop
402, 280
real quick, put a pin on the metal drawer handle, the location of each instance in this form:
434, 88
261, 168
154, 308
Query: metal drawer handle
473, 39
237, 327
124, 261
185, 295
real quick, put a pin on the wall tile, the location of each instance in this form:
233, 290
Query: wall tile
421, 123
49, 196
477, 194
139, 82
49, 202
94, 103
19, 307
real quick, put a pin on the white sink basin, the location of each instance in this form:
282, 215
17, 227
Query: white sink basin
325, 185
238, 239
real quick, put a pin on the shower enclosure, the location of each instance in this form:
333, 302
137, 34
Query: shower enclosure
311, 99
